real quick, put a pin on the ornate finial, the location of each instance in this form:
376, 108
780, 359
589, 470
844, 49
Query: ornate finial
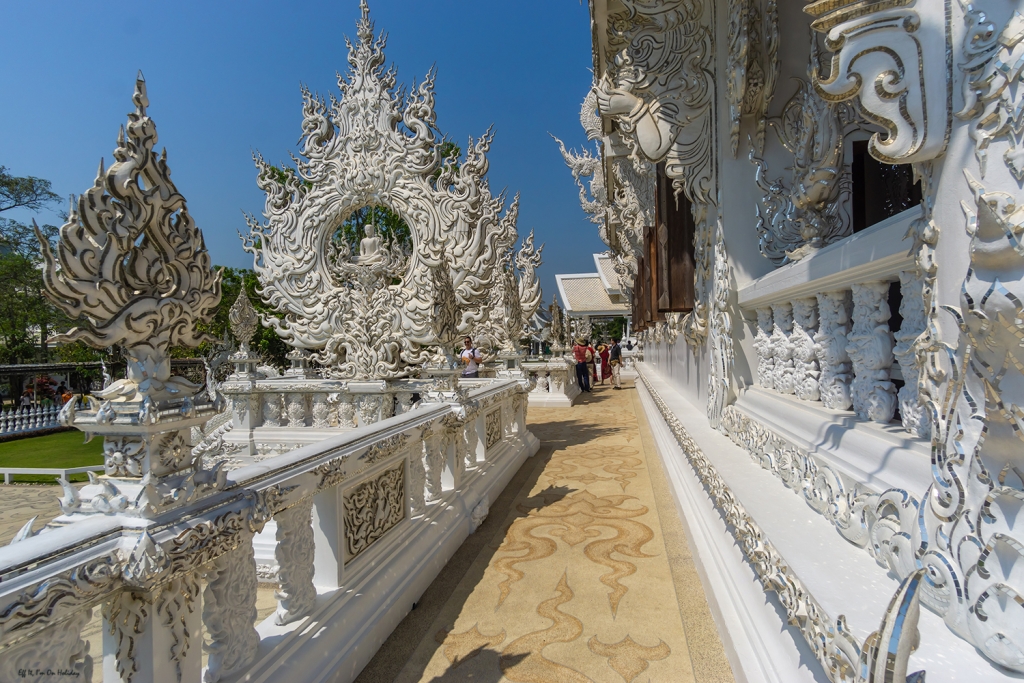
243, 319
140, 98
131, 264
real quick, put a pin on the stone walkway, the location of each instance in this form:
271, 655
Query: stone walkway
21, 502
581, 572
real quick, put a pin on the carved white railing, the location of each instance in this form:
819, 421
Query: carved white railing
33, 419
354, 512
274, 415
553, 382
823, 332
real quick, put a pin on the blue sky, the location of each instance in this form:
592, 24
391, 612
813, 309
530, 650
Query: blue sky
223, 79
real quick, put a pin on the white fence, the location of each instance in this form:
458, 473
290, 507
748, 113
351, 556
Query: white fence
36, 418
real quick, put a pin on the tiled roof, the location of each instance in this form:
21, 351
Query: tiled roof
586, 294
606, 270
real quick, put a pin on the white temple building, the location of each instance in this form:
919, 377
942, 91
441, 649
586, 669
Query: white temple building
591, 296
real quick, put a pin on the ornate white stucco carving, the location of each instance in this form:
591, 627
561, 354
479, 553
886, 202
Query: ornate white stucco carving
763, 348
516, 298
805, 351
882, 655
895, 58
720, 338
294, 555
229, 611
658, 87
132, 265
433, 463
968, 533
752, 66
830, 344
622, 215
59, 648
782, 349
870, 350
372, 508
912, 414
813, 212
631, 211
377, 146
993, 100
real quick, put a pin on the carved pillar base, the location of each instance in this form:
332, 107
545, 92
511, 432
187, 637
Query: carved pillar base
229, 611
154, 638
295, 559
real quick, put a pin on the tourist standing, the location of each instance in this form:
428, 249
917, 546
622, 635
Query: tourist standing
615, 362
583, 355
471, 358
602, 365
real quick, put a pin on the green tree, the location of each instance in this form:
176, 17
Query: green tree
266, 342
25, 314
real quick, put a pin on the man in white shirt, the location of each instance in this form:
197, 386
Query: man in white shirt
471, 358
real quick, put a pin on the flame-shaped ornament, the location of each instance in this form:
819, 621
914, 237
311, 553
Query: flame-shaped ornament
132, 265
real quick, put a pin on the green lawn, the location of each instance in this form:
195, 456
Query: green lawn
63, 449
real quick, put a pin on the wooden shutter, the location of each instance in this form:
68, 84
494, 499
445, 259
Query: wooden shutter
675, 267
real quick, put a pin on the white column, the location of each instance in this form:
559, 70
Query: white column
912, 414
763, 348
831, 341
229, 611
782, 351
295, 556
154, 638
805, 358
870, 349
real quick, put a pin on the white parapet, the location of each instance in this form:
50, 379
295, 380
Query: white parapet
364, 521
554, 382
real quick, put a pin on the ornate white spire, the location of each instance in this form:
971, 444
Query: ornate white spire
132, 265
375, 146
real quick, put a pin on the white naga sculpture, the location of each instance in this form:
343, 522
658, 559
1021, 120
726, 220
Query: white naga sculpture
132, 266
375, 314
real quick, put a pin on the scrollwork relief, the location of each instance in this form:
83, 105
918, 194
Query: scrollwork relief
870, 350
372, 508
993, 100
752, 66
895, 59
830, 344
813, 212
835, 647
492, 428
294, 554
805, 352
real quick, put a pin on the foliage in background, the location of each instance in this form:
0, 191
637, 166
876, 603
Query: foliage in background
265, 342
26, 316
605, 330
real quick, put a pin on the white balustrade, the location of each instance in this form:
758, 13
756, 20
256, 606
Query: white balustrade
364, 519
32, 419
822, 329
